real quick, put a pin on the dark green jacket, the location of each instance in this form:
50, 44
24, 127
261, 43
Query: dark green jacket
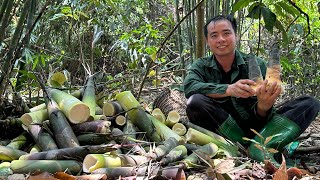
204, 77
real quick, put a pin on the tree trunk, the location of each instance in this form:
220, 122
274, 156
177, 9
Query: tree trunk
200, 36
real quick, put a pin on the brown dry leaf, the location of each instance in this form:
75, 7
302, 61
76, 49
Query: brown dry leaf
92, 177
42, 176
258, 171
63, 176
269, 167
272, 150
268, 139
281, 173
294, 172
225, 166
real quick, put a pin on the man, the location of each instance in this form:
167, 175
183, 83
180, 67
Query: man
221, 99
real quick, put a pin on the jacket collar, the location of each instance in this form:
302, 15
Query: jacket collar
211, 63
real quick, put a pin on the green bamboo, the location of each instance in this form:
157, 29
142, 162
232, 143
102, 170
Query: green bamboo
5, 15
158, 114
42, 138
94, 139
51, 166
209, 150
97, 126
62, 130
69, 153
75, 110
38, 107
176, 154
89, 97
7, 66
112, 108
9, 153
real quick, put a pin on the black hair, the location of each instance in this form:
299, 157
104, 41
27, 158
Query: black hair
229, 18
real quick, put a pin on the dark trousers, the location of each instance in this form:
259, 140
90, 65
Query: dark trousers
210, 113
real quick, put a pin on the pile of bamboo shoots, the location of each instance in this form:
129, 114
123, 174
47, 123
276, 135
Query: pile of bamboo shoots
77, 134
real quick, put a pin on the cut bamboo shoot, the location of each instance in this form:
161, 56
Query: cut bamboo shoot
158, 114
112, 108
209, 150
95, 161
75, 110
176, 154
172, 118
34, 117
179, 128
120, 120
164, 148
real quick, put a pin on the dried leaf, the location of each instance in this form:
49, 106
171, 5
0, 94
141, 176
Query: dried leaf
258, 134
268, 139
225, 166
269, 167
258, 146
272, 150
294, 172
281, 173
62, 175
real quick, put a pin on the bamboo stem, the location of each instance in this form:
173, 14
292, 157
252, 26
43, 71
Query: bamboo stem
179, 128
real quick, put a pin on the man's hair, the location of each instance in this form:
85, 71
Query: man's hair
229, 18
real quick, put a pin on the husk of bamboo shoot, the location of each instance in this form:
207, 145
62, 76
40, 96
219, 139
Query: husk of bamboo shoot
9, 153
75, 110
209, 150
42, 138
5, 170
69, 153
95, 161
163, 149
89, 97
51, 166
62, 130
97, 126
176, 154
19, 141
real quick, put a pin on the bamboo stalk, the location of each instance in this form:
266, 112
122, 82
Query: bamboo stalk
42, 138
51, 166
35, 149
89, 97
94, 139
173, 117
100, 117
112, 108
95, 161
179, 129
75, 110
62, 130
69, 153
98, 110
34, 117
97, 126
130, 130
5, 170
176, 154
39, 107
158, 114
9, 153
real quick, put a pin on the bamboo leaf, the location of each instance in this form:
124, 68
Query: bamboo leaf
241, 4
288, 8
272, 150
268, 139
258, 134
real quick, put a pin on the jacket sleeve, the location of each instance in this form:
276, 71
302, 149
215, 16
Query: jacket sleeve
201, 81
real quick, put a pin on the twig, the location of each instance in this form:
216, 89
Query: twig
303, 150
162, 44
302, 12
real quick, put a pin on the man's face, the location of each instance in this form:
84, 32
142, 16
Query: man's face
221, 38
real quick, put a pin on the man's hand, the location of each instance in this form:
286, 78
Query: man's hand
241, 88
267, 95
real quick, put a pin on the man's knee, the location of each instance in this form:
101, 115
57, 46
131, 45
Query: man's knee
196, 101
310, 101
